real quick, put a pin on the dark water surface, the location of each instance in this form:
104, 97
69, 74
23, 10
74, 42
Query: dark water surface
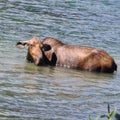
28, 92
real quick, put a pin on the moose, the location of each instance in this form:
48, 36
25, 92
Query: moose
53, 52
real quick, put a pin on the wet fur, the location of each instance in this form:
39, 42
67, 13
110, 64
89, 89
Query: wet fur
80, 57
69, 56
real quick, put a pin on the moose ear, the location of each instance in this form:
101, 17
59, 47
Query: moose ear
46, 47
20, 45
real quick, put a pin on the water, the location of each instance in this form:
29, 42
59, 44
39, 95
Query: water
38, 93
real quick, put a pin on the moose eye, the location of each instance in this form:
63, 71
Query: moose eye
31, 46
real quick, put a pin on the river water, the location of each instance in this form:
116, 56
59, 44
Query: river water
28, 92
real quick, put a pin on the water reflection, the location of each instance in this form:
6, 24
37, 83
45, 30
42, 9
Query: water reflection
31, 92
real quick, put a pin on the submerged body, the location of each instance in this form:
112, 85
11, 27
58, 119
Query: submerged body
80, 57
51, 51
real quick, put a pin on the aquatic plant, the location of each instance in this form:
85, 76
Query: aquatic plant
109, 116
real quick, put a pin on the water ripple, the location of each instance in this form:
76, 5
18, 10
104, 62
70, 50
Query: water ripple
31, 92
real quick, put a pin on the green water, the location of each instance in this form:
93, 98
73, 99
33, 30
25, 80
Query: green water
51, 93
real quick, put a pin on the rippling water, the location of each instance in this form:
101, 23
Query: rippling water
30, 92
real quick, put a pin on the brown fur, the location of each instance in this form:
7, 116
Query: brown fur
69, 56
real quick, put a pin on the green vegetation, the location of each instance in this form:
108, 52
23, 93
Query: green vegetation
108, 117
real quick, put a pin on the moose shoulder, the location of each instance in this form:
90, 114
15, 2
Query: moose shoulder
51, 51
